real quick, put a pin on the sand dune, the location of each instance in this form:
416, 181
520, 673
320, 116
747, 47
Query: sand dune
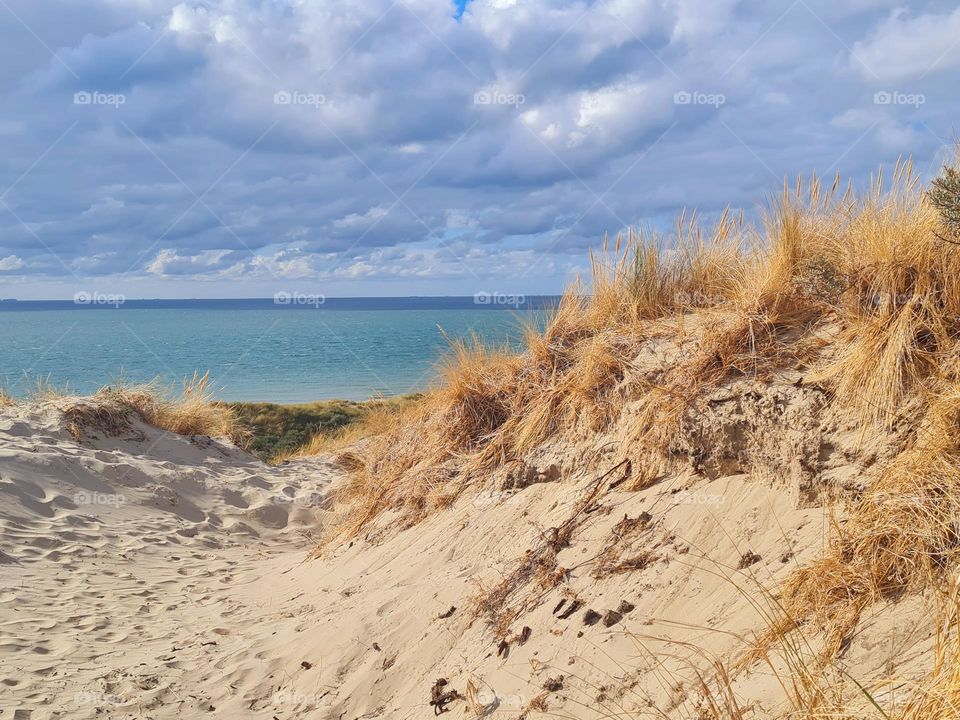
163, 576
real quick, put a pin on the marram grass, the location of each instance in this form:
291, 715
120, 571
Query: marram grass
863, 289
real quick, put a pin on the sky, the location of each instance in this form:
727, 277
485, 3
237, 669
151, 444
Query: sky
241, 148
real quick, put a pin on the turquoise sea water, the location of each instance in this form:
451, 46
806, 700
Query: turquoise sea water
254, 350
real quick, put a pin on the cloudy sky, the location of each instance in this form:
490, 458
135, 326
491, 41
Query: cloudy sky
236, 148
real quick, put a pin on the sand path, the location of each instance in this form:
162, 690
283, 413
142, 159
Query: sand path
136, 581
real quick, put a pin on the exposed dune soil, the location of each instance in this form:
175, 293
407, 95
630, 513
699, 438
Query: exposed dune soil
151, 575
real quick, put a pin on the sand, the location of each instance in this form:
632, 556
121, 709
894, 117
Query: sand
152, 575
139, 573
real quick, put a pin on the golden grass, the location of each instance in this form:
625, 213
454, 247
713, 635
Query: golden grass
382, 416
757, 299
192, 411
900, 320
287, 432
44, 389
861, 291
900, 312
815, 691
938, 696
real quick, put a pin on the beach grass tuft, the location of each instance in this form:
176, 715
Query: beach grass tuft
191, 410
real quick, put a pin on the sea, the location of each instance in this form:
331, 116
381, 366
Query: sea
285, 350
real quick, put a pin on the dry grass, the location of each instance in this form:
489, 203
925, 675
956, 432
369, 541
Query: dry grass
192, 411
618, 555
938, 696
817, 692
538, 571
754, 296
896, 364
900, 313
861, 291
347, 423
44, 389
756, 299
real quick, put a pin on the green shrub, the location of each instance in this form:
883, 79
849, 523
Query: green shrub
945, 196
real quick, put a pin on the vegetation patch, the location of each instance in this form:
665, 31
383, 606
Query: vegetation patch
277, 430
191, 411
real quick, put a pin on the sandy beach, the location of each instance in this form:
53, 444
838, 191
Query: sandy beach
147, 574
139, 571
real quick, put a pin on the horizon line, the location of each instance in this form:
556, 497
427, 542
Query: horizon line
126, 298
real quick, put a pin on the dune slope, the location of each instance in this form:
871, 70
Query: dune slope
149, 574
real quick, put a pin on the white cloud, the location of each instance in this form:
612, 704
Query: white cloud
697, 20
909, 47
171, 262
11, 262
287, 263
361, 220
